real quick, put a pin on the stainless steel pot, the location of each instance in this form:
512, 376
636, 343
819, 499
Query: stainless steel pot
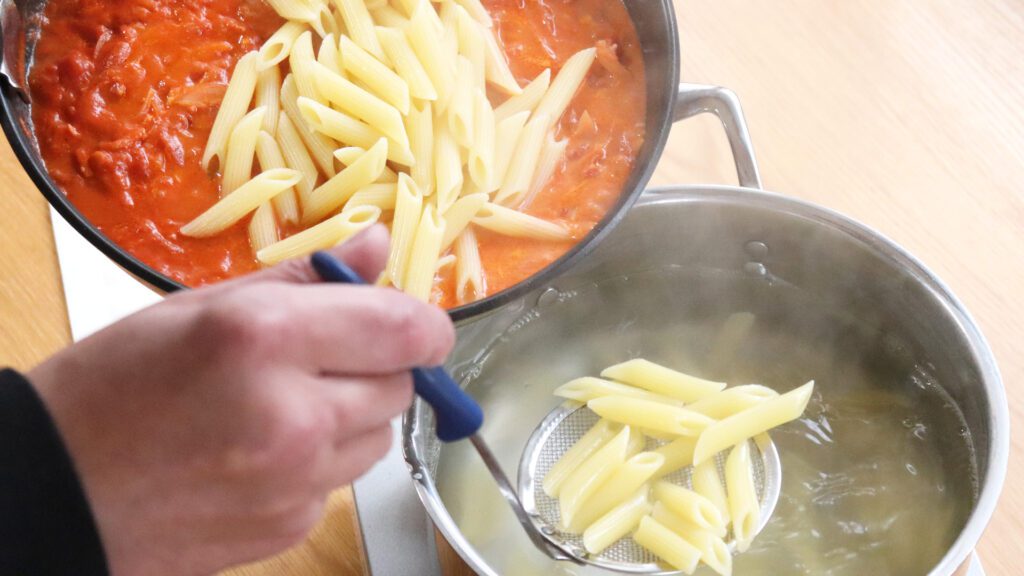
656, 25
699, 253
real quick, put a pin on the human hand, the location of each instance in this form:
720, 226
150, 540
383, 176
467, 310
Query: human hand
208, 429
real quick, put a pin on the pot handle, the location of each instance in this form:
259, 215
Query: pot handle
694, 99
12, 66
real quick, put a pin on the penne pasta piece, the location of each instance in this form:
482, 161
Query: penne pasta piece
406, 64
236, 101
647, 414
336, 191
420, 126
598, 435
523, 164
448, 176
629, 477
565, 85
269, 155
381, 195
471, 46
424, 253
381, 80
408, 212
296, 157
337, 125
326, 234
268, 95
241, 149
469, 276
279, 45
656, 378
320, 147
426, 42
235, 206
350, 154
328, 55
263, 227
551, 157
293, 9
713, 550
527, 100
462, 106
496, 66
708, 483
476, 9
583, 481
732, 400
678, 454
449, 29
459, 215
301, 60
386, 15
587, 388
481, 153
325, 24
506, 135
617, 523
360, 27
744, 508
690, 506
444, 262
356, 101
511, 223
667, 545
740, 427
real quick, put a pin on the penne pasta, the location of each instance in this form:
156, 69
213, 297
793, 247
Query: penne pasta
448, 176
678, 454
381, 195
598, 435
386, 15
269, 155
647, 414
406, 63
527, 100
381, 80
565, 85
690, 506
506, 135
337, 125
296, 157
320, 147
235, 206
236, 101
420, 126
350, 154
293, 9
617, 523
268, 95
426, 42
667, 545
325, 24
462, 106
469, 276
587, 388
326, 234
459, 215
356, 101
551, 157
301, 60
449, 33
471, 46
583, 481
481, 153
707, 482
424, 253
276, 49
476, 9
496, 66
336, 191
629, 477
408, 213
328, 55
656, 378
732, 400
523, 164
360, 27
241, 149
511, 223
713, 550
744, 508
263, 227
740, 427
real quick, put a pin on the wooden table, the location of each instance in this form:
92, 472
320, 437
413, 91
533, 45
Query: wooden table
905, 114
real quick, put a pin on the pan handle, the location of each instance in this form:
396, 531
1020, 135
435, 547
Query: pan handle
12, 66
694, 99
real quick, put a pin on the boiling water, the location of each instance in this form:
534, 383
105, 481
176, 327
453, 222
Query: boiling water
878, 476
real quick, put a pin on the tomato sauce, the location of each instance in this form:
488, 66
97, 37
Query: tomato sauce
125, 93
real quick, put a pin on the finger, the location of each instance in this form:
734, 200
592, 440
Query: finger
356, 456
366, 253
362, 404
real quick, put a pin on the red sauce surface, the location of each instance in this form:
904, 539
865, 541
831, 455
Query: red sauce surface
125, 93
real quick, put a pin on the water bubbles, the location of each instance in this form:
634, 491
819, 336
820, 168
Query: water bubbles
755, 269
912, 469
756, 249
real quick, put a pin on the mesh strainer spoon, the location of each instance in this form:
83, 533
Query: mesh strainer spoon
459, 417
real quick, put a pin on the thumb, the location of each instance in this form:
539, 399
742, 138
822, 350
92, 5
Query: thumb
366, 253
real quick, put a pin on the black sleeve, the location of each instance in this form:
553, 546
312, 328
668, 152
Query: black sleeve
46, 526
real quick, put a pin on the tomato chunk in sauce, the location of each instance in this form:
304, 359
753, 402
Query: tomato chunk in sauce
125, 93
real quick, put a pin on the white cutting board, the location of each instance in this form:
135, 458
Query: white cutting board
397, 534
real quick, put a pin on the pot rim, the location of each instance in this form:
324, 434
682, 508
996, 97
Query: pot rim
999, 419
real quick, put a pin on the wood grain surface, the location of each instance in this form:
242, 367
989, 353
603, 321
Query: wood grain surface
907, 115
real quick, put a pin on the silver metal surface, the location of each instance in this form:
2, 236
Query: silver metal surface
559, 431
12, 59
694, 99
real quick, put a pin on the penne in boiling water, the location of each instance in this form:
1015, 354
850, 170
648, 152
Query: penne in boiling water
326, 234
667, 545
678, 454
648, 414
650, 376
628, 477
690, 506
235, 206
617, 523
732, 401
713, 550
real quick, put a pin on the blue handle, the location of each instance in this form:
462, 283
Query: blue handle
458, 416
